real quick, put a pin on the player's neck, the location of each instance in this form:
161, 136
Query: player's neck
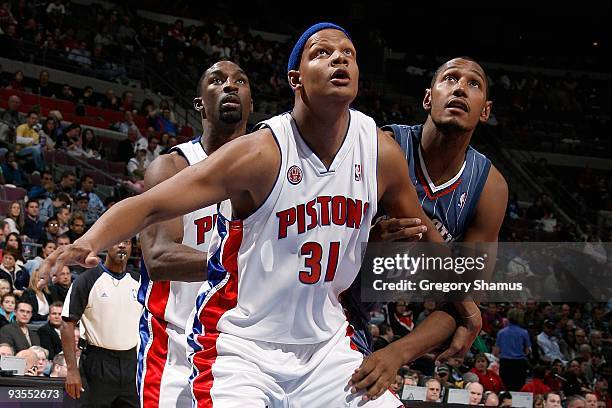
323, 131
443, 153
213, 137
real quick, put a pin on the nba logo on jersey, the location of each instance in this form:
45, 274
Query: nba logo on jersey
358, 172
462, 199
294, 175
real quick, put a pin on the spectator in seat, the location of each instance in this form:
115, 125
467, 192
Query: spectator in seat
28, 141
51, 231
50, 333
590, 399
491, 399
576, 401
59, 368
551, 378
505, 399
70, 133
128, 103
47, 249
32, 226
66, 93
31, 358
385, 338
67, 183
126, 147
10, 119
111, 101
81, 56
5, 287
433, 390
536, 386
90, 143
88, 98
129, 124
13, 243
548, 343
59, 289
15, 217
38, 296
17, 81
153, 148
7, 308
44, 87
63, 216
18, 334
476, 390
6, 350
165, 120
48, 134
136, 168
43, 365
12, 272
488, 378
77, 224
552, 400
576, 383
12, 172
95, 206
400, 318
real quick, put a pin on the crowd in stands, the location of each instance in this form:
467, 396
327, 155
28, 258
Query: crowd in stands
45, 206
563, 350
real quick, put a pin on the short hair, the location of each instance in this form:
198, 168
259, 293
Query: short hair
63, 236
50, 220
59, 359
23, 302
36, 349
10, 294
384, 328
539, 372
431, 380
516, 316
441, 67
77, 217
2, 224
68, 173
9, 347
551, 393
32, 202
5, 281
504, 395
57, 303
32, 112
85, 177
574, 398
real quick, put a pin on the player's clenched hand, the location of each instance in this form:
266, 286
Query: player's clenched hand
398, 229
376, 373
463, 339
73, 384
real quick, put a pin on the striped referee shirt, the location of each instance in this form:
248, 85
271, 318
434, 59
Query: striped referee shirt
106, 304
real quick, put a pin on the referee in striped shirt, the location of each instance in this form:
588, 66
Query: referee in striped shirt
104, 300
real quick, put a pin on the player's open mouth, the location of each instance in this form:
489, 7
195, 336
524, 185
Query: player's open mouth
458, 104
122, 254
230, 102
340, 77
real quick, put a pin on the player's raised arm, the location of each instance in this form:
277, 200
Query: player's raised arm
252, 160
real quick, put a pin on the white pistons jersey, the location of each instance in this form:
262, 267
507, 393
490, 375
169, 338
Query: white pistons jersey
163, 369
276, 275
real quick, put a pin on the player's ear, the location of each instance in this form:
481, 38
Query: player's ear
294, 79
198, 104
486, 112
427, 100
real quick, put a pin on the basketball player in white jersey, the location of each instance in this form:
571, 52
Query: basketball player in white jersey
174, 251
303, 189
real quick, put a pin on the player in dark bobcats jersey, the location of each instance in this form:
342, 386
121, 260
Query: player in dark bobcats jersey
459, 189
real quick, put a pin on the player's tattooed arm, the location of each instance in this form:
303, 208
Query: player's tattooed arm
164, 254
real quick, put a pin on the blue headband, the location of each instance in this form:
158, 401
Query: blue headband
298, 48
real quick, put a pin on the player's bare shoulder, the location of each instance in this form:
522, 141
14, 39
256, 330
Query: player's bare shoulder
164, 167
496, 185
